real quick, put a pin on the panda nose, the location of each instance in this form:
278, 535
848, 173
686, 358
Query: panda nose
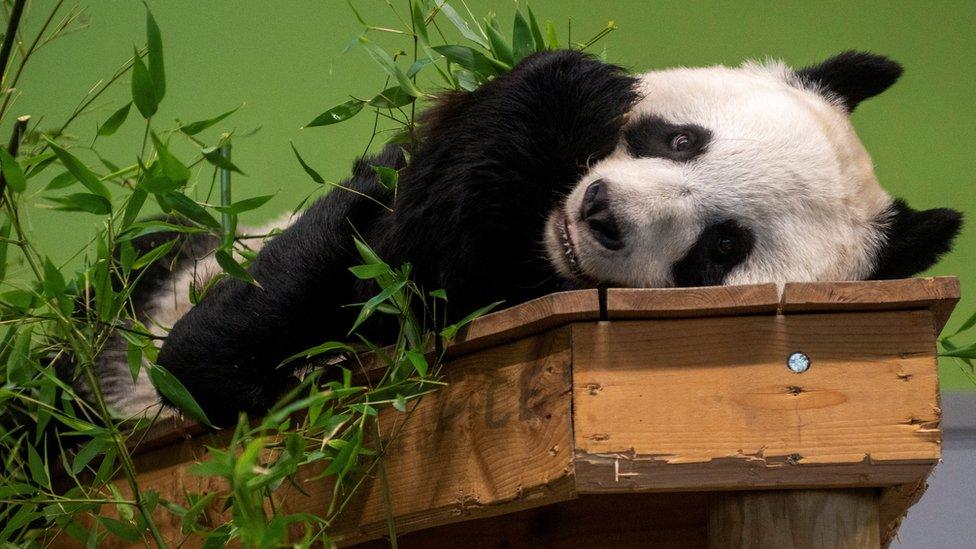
595, 212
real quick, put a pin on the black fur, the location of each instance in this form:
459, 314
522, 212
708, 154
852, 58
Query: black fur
719, 248
468, 215
853, 76
914, 240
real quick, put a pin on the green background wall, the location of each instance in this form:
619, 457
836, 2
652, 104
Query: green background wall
283, 60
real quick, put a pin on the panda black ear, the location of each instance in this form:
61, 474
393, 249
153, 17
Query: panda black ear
853, 76
914, 240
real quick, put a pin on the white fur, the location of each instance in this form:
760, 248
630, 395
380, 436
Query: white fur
783, 159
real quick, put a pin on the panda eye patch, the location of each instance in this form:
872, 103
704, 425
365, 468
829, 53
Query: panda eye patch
654, 137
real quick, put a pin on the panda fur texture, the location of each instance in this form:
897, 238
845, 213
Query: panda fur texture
567, 172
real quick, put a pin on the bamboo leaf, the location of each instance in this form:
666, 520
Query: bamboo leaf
471, 59
538, 42
61, 181
191, 210
499, 47
80, 171
212, 154
522, 42
388, 177
391, 98
170, 165
153, 255
308, 169
114, 122
38, 469
154, 44
384, 60
53, 281
327, 347
88, 452
233, 268
338, 113
176, 393
462, 25
194, 128
83, 202
12, 172
189, 520
419, 22
553, 42
245, 205
450, 331
143, 88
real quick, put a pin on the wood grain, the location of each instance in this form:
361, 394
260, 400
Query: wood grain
800, 519
497, 439
631, 303
938, 294
699, 404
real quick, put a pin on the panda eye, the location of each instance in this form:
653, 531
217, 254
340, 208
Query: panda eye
725, 246
681, 142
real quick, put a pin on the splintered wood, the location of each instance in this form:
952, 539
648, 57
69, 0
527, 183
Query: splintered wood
567, 403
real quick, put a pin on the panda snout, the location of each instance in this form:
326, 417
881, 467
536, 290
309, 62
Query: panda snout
596, 212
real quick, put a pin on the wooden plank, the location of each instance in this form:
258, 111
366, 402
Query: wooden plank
709, 404
894, 504
632, 303
808, 519
531, 317
497, 439
652, 521
938, 294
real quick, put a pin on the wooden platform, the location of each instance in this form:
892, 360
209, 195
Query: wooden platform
658, 418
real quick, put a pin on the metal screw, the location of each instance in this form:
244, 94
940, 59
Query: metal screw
798, 363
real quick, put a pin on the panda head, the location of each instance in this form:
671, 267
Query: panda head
743, 175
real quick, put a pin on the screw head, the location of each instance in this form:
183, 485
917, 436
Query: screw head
798, 363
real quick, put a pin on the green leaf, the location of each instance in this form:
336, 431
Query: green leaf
551, 33
462, 25
308, 169
419, 361
12, 172
969, 323
391, 98
961, 352
366, 252
61, 181
194, 128
191, 210
175, 392
419, 22
400, 403
80, 171
369, 272
115, 121
212, 154
189, 520
470, 59
143, 88
104, 292
171, 166
83, 202
124, 530
88, 452
346, 457
154, 43
159, 184
384, 60
327, 347
370, 306
132, 208
38, 469
522, 42
388, 176
153, 255
53, 281
133, 356
233, 268
245, 205
499, 47
450, 331
338, 113
538, 42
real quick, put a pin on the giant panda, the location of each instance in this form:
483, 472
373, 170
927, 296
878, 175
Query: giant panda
566, 172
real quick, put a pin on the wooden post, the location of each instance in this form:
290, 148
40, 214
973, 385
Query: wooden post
802, 519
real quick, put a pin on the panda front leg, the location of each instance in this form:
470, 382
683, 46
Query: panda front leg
494, 163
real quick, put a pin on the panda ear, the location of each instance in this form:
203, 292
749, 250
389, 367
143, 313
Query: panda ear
914, 240
853, 76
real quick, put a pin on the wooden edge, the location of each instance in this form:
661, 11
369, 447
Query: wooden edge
634, 303
531, 317
937, 294
893, 505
